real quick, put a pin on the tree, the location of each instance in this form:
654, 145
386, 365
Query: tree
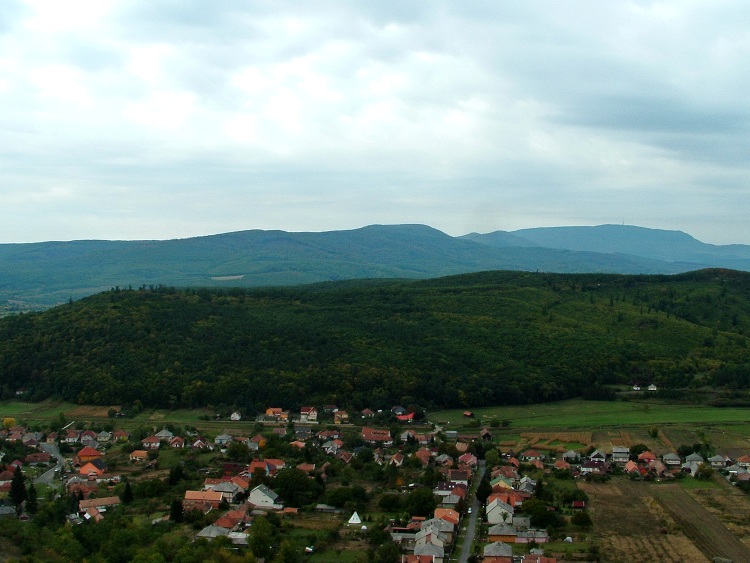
704, 472
18, 489
492, 457
127, 493
581, 519
176, 511
295, 488
175, 475
484, 490
420, 502
261, 540
287, 553
9, 422
31, 499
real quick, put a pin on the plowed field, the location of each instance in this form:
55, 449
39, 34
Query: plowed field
644, 522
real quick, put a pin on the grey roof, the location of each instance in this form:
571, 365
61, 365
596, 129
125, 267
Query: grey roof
695, 457
429, 549
498, 549
212, 531
502, 530
266, 491
438, 524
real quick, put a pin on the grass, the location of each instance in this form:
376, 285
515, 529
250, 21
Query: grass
577, 413
691, 484
343, 556
44, 411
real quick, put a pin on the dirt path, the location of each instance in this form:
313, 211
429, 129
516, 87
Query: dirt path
703, 528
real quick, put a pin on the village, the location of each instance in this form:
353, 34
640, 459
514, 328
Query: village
366, 480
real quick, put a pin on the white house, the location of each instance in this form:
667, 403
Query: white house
263, 497
499, 512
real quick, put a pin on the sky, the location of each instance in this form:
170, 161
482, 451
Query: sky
139, 119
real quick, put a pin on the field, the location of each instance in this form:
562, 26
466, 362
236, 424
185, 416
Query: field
638, 521
576, 413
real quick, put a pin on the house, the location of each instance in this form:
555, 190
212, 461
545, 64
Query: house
151, 443
571, 456
671, 460
532, 455
562, 465
594, 467
138, 455
376, 436
367, 413
101, 504
263, 497
37, 458
718, 461
277, 413
652, 387
620, 454
468, 459
95, 468
204, 501
598, 456
694, 457
459, 476
177, 442
448, 515
85, 455
340, 417
223, 439
229, 490
165, 435
435, 551
647, 457
485, 435
497, 549
72, 436
423, 455
397, 459
308, 414
502, 532
498, 512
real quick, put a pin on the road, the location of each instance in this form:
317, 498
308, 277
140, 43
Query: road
48, 477
466, 548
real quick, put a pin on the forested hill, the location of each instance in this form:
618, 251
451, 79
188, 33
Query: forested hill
469, 340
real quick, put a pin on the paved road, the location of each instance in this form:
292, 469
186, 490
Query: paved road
48, 477
466, 548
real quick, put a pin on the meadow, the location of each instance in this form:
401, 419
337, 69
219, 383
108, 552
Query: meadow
577, 413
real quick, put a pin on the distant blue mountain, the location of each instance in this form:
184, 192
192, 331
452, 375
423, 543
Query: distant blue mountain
42, 274
668, 246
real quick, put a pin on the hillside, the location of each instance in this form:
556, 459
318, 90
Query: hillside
43, 274
654, 244
471, 340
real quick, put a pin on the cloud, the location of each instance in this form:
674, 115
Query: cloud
165, 119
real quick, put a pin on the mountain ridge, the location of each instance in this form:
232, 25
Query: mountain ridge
47, 273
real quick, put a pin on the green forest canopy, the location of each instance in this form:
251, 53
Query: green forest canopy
471, 340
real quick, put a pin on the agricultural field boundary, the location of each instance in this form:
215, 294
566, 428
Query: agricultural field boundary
703, 528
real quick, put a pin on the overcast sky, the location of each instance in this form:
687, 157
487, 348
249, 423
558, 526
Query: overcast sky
169, 119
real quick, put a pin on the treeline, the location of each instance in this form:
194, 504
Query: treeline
472, 340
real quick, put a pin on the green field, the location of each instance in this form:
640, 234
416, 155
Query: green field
580, 414
34, 412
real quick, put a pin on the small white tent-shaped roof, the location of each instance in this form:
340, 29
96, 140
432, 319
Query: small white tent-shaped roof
354, 519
